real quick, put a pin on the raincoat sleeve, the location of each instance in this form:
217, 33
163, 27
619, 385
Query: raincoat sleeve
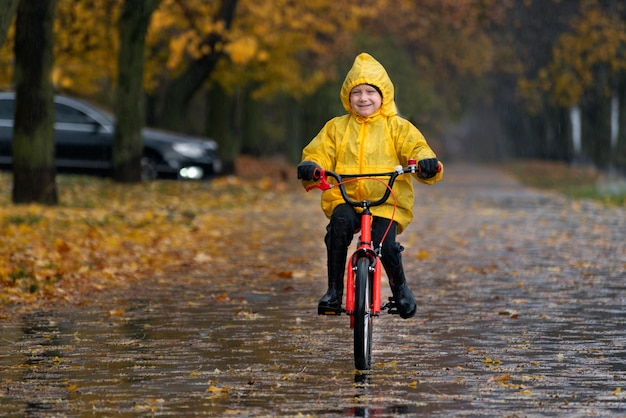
412, 144
322, 149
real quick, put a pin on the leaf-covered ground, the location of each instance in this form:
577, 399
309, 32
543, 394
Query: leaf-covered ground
209, 305
104, 234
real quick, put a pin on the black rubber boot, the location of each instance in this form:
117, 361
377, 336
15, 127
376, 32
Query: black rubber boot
330, 303
402, 295
404, 300
339, 232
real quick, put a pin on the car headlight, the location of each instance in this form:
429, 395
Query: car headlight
189, 150
192, 173
211, 144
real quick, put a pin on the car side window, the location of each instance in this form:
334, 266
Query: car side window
67, 114
7, 109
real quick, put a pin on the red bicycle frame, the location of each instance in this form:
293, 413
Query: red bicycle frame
365, 247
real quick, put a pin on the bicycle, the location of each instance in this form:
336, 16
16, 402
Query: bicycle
363, 300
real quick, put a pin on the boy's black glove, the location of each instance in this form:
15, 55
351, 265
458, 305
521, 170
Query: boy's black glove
308, 170
429, 168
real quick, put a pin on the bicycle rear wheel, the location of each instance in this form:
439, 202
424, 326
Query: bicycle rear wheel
363, 319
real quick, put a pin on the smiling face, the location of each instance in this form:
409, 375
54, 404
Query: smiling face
365, 99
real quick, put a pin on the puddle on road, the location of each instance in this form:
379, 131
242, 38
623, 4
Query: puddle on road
186, 355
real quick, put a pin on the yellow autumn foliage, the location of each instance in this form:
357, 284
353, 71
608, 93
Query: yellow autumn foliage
595, 44
106, 234
278, 45
242, 50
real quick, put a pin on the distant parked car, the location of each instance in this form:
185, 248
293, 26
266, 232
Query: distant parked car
84, 140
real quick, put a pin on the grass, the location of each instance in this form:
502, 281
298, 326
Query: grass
579, 182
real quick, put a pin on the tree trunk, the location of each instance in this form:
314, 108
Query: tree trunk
575, 120
7, 12
182, 89
619, 155
597, 131
294, 131
34, 170
220, 126
251, 119
615, 106
129, 106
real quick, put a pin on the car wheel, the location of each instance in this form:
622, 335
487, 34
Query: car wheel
148, 169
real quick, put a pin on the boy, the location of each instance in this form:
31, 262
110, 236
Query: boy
370, 138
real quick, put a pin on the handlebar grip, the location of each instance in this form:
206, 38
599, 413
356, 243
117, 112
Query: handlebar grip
319, 175
428, 173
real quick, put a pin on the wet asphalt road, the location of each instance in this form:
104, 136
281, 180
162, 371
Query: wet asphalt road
521, 312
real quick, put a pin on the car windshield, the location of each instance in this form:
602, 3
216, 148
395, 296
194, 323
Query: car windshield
80, 113
67, 114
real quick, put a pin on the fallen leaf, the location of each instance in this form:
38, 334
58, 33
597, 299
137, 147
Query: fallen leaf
116, 312
422, 255
222, 297
503, 378
215, 389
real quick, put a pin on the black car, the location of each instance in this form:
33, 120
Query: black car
84, 140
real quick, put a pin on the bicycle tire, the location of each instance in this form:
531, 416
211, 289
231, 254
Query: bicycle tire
363, 318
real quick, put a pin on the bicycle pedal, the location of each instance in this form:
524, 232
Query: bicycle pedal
391, 307
329, 311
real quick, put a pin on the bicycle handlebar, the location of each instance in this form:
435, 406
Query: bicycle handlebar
399, 170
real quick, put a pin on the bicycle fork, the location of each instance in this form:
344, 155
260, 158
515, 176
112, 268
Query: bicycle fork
364, 249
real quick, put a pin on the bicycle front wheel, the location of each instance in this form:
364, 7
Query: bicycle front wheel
363, 319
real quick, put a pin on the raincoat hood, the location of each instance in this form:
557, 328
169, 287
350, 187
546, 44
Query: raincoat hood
366, 70
352, 144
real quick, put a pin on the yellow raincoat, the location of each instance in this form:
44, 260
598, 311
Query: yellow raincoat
352, 144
